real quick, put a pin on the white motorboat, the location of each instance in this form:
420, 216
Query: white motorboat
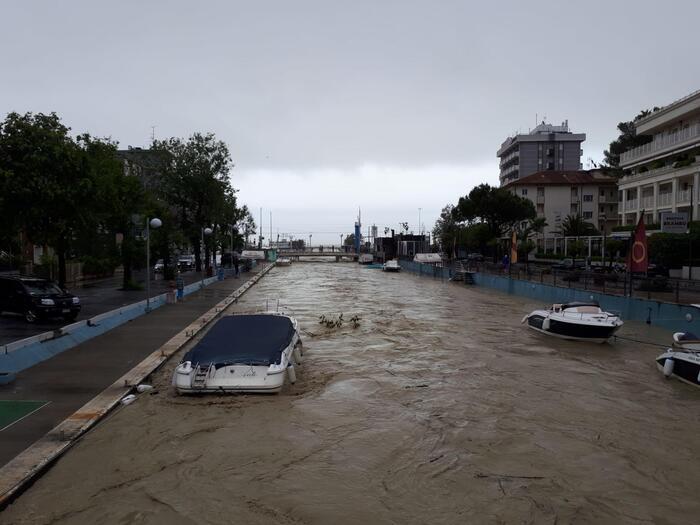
242, 353
580, 321
683, 360
284, 261
391, 266
365, 258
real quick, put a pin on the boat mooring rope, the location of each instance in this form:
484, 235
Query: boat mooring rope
623, 338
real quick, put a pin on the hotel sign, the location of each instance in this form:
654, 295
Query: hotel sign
674, 222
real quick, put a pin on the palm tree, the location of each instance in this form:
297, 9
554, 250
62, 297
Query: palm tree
577, 226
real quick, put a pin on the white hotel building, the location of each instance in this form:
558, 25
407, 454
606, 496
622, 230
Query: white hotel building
663, 175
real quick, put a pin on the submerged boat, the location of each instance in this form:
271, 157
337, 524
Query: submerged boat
365, 258
683, 360
580, 321
284, 261
392, 266
242, 353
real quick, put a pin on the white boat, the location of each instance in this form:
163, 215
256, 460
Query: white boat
391, 266
242, 353
683, 360
365, 258
579, 321
284, 261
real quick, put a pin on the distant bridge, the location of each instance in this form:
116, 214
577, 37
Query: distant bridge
301, 254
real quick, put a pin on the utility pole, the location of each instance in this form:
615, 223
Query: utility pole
419, 211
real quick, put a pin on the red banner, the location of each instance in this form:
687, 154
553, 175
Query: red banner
638, 258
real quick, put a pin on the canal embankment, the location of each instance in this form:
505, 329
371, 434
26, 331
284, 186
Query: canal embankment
78, 387
439, 406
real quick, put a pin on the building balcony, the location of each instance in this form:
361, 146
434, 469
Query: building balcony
648, 202
539, 199
683, 137
683, 197
664, 199
631, 205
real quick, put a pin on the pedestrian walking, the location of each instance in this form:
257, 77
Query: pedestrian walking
236, 263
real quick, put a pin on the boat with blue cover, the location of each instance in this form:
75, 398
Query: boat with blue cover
242, 353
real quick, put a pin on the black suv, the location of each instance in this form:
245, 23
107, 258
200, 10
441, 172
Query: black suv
36, 298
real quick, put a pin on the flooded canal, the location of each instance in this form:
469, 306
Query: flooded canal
440, 407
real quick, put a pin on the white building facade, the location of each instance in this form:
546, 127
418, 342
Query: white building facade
663, 175
557, 194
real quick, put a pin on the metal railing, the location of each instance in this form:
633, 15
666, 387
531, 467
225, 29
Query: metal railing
659, 288
683, 196
664, 199
666, 142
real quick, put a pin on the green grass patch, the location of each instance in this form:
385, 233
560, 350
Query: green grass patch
12, 411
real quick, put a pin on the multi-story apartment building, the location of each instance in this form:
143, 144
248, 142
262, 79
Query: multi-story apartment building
663, 175
546, 147
556, 194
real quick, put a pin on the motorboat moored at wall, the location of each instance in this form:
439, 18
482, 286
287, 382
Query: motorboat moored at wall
284, 261
683, 360
242, 353
580, 321
391, 266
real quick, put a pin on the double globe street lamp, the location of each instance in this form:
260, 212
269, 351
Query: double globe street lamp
154, 223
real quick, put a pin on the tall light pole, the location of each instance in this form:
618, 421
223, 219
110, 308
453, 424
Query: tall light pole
310, 249
155, 224
205, 231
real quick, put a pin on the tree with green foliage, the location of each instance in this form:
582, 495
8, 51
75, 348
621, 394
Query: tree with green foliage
194, 181
577, 226
627, 140
445, 231
48, 182
497, 208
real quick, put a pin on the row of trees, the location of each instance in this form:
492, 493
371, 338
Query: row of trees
480, 219
73, 194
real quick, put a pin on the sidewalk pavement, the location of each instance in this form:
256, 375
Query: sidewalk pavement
96, 297
69, 380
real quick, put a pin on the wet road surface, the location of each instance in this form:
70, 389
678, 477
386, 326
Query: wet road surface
440, 407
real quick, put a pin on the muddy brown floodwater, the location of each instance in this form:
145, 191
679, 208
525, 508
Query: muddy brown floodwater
439, 408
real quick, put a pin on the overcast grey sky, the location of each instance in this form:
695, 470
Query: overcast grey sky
327, 106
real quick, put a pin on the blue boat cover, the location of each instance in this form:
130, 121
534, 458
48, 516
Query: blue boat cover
244, 340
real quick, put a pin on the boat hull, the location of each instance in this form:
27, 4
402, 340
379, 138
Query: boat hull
233, 379
229, 376
686, 366
572, 331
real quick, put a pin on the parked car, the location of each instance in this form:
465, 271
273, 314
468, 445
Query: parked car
186, 262
37, 299
159, 266
569, 264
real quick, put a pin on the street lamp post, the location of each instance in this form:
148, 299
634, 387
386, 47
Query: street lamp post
205, 231
155, 224
310, 248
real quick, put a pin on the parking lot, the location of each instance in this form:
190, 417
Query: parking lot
95, 297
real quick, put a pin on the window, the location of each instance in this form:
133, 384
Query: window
523, 192
587, 214
602, 193
588, 198
540, 191
574, 192
550, 165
